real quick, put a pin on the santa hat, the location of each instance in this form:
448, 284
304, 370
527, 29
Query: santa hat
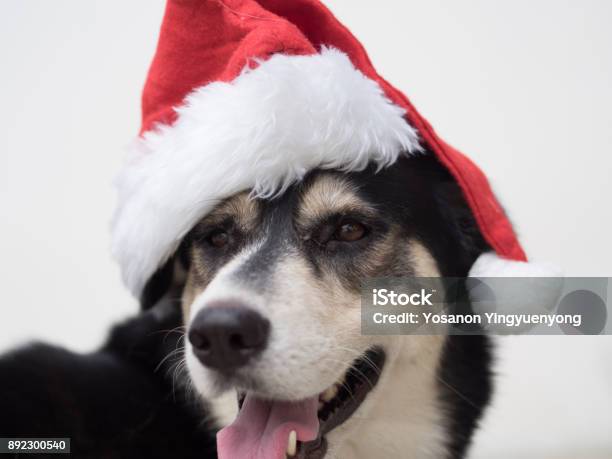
253, 94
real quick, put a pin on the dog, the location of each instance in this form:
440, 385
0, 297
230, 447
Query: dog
252, 331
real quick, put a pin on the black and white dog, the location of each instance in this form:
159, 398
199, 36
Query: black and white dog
258, 333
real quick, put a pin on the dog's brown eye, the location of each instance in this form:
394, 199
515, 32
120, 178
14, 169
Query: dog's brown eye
218, 239
350, 232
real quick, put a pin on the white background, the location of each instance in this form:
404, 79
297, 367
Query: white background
525, 87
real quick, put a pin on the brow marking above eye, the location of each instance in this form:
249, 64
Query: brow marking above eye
242, 209
327, 195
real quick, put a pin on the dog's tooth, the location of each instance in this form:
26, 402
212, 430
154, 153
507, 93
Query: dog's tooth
329, 393
292, 444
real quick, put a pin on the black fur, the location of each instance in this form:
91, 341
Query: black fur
120, 402
117, 402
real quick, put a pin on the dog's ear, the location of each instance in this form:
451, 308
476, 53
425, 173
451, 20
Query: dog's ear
460, 225
170, 278
441, 215
157, 286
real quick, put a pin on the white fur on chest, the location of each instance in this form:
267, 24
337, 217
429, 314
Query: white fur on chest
404, 418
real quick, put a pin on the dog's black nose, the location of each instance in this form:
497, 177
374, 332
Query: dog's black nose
227, 337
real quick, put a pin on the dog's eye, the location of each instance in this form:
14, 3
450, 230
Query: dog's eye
218, 238
350, 231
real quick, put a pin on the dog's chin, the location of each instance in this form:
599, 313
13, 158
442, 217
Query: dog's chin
336, 404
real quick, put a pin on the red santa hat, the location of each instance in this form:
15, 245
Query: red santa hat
253, 94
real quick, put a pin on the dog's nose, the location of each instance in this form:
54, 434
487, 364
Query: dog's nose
227, 337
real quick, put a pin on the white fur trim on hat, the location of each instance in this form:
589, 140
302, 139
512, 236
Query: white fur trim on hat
263, 131
537, 291
490, 264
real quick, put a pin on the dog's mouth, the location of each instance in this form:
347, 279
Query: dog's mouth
276, 429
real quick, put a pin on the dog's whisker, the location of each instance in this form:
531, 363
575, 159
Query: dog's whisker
178, 329
457, 392
177, 369
451, 387
170, 355
181, 330
363, 356
344, 384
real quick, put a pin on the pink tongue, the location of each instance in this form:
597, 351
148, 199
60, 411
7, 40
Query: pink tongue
261, 430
